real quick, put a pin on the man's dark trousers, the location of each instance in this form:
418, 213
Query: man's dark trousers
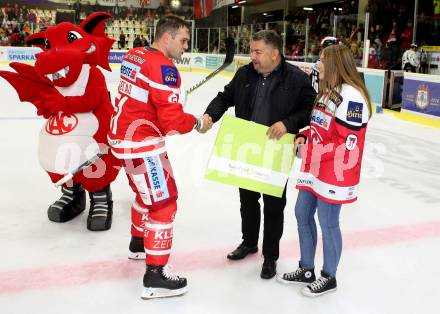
273, 221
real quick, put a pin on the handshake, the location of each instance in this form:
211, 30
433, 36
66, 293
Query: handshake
204, 123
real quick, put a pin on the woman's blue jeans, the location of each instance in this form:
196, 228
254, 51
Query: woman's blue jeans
328, 215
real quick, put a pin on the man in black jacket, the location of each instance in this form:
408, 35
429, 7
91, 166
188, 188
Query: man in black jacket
272, 92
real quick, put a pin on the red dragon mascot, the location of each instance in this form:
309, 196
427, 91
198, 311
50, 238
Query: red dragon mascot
69, 90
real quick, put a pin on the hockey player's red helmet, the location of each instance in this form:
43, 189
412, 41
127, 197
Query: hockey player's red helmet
329, 41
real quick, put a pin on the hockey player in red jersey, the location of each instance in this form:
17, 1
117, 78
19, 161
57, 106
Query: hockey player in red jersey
331, 163
148, 109
69, 90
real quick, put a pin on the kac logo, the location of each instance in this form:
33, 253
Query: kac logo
61, 123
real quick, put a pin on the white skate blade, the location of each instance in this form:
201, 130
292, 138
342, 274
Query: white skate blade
136, 256
152, 293
288, 282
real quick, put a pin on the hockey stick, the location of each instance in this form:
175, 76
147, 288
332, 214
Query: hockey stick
83, 166
230, 50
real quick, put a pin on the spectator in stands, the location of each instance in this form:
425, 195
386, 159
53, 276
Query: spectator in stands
77, 8
137, 42
373, 62
409, 59
313, 54
148, 17
356, 53
355, 35
380, 32
296, 52
32, 18
4, 39
27, 28
121, 42
24, 13
341, 30
407, 35
7, 24
15, 38
378, 46
144, 41
16, 12
372, 33
14, 25
361, 31
116, 11
423, 57
392, 45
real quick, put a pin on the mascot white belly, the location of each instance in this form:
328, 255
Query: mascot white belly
66, 141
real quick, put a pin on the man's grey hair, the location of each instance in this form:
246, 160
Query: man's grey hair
269, 37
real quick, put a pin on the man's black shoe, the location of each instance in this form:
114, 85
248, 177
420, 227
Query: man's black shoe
241, 252
269, 269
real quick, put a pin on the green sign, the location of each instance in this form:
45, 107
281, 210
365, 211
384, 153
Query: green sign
243, 156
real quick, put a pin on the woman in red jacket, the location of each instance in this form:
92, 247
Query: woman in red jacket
331, 161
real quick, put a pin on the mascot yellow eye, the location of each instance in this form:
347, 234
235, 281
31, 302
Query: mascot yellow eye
72, 36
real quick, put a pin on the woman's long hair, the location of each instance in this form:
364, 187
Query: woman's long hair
339, 68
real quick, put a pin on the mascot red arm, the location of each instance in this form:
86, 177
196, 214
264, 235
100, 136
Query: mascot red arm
69, 90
